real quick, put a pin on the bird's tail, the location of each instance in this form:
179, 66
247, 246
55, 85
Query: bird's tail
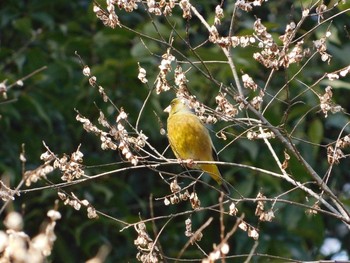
214, 172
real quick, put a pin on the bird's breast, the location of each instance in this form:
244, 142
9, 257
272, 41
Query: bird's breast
189, 138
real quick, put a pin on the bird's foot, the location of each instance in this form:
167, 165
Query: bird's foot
189, 163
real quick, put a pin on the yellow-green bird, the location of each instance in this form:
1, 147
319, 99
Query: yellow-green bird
190, 139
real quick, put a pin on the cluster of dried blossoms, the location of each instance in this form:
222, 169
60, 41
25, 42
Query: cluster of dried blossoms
219, 252
249, 83
260, 212
162, 83
7, 193
195, 236
70, 166
247, 5
108, 17
285, 163
264, 134
225, 107
164, 7
178, 196
260, 209
117, 137
32, 176
180, 79
271, 55
148, 250
321, 47
142, 74
219, 14
334, 154
76, 203
256, 101
326, 103
233, 41
17, 247
251, 231
161, 7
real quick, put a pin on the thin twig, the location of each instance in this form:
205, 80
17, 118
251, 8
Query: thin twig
193, 237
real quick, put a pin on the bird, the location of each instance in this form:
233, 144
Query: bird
190, 139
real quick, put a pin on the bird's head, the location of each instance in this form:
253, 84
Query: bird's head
177, 105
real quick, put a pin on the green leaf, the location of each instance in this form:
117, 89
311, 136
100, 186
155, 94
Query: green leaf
337, 84
315, 131
24, 25
44, 18
41, 111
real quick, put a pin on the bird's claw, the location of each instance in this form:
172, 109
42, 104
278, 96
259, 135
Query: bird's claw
188, 162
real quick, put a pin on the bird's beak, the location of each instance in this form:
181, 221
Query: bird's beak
167, 109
